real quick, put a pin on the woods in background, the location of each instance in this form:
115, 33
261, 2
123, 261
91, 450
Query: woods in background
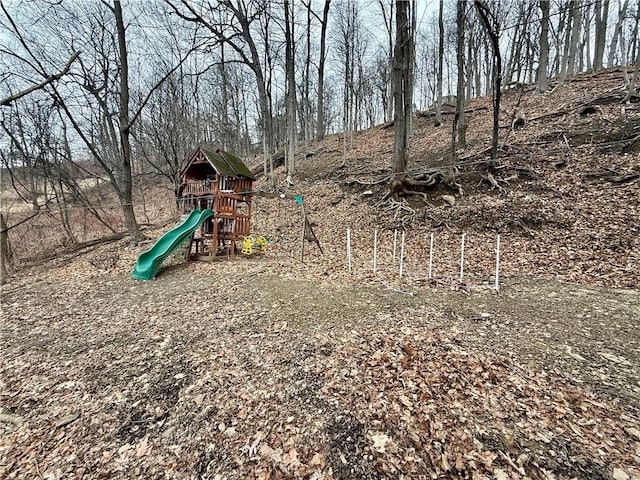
110, 92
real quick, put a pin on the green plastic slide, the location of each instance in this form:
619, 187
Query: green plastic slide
149, 262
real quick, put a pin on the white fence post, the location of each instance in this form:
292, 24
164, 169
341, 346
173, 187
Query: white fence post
462, 257
402, 254
375, 249
395, 245
431, 257
497, 285
349, 249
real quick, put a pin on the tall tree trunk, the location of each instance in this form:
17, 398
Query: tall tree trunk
544, 46
438, 119
265, 109
126, 197
291, 90
633, 81
225, 99
514, 55
458, 135
469, 67
617, 32
493, 31
402, 87
573, 39
411, 49
477, 73
584, 63
635, 50
388, 25
307, 80
563, 39
320, 127
602, 16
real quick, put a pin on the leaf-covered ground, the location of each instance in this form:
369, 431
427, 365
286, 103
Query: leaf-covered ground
265, 367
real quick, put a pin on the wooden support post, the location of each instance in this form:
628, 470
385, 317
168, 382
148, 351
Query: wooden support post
304, 231
4, 251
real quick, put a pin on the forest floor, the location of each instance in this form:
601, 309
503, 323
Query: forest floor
286, 374
267, 367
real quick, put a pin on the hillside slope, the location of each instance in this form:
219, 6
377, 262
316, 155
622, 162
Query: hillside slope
565, 204
265, 367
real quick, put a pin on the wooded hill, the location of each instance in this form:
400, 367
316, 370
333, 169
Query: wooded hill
265, 367
565, 189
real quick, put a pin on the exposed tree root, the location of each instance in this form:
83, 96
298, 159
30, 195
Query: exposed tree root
494, 183
403, 214
417, 184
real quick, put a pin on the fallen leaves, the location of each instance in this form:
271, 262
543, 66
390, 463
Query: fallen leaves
268, 368
67, 419
379, 441
281, 377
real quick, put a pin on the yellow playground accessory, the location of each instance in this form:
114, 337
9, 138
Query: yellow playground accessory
261, 244
247, 245
251, 244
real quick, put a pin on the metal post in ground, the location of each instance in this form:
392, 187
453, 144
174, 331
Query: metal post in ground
395, 245
431, 257
497, 284
462, 258
349, 249
402, 255
375, 249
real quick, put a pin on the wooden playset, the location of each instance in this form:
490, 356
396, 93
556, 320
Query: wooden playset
215, 198
219, 181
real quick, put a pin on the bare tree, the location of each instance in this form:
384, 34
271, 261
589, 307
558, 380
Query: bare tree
126, 182
291, 90
519, 52
402, 85
347, 30
633, 81
38, 86
438, 118
22, 127
602, 17
634, 47
474, 53
305, 113
576, 25
490, 22
240, 35
623, 6
544, 46
458, 139
387, 17
320, 127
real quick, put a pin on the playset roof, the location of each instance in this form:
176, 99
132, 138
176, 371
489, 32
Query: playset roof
224, 163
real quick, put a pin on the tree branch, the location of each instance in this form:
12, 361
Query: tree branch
8, 100
159, 84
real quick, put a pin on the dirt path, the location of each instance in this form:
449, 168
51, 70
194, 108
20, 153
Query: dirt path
587, 334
